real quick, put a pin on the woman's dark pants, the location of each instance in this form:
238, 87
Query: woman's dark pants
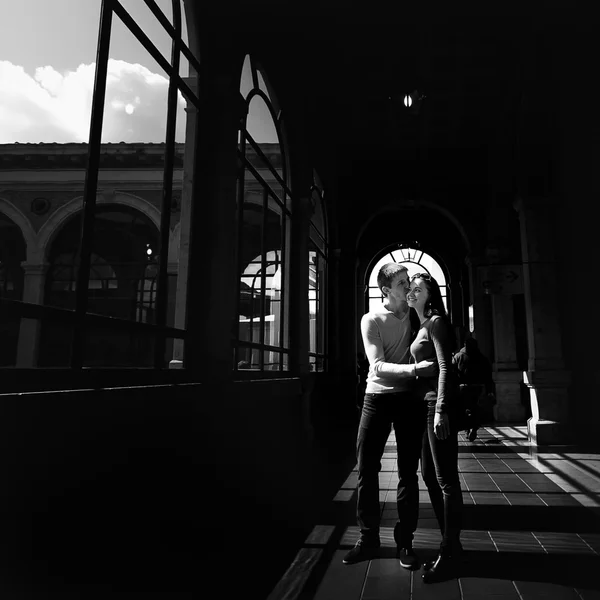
407, 414
439, 468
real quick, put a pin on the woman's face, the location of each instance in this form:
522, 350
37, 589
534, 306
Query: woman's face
418, 294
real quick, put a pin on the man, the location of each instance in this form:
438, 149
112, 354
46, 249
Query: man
388, 401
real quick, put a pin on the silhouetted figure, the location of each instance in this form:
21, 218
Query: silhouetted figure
474, 370
472, 366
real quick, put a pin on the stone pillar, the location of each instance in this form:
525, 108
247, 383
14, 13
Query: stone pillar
181, 267
29, 332
507, 377
482, 328
212, 271
546, 377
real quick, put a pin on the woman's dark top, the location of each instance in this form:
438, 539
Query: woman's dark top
434, 342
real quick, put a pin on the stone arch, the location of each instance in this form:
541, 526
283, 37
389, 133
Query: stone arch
60, 216
408, 204
22, 222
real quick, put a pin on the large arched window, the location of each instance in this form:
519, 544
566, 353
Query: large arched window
317, 279
263, 215
416, 261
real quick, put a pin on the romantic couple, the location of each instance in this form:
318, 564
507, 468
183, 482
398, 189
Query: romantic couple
409, 385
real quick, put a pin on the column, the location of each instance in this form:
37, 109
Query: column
482, 328
29, 332
299, 272
506, 373
546, 377
212, 275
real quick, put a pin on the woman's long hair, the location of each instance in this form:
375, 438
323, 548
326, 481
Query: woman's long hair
435, 303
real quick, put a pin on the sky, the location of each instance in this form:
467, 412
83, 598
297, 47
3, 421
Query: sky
47, 65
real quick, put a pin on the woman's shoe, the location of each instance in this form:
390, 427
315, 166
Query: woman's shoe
442, 569
457, 552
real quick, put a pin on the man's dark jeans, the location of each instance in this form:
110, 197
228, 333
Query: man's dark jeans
439, 469
407, 414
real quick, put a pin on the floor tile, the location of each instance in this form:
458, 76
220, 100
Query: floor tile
293, 581
446, 590
589, 499
540, 482
493, 498
320, 534
350, 482
343, 496
560, 499
524, 499
342, 581
516, 541
386, 579
539, 590
478, 588
477, 541
562, 543
510, 483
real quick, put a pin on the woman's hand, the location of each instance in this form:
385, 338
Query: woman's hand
441, 425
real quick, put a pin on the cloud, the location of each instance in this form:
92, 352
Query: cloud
56, 107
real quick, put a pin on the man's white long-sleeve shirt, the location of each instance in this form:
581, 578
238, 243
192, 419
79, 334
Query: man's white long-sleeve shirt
386, 339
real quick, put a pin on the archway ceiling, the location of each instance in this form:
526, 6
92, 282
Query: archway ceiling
435, 233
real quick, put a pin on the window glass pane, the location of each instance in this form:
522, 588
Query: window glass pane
260, 123
317, 363
261, 84
274, 290
250, 251
114, 346
48, 51
316, 286
276, 361
246, 83
144, 17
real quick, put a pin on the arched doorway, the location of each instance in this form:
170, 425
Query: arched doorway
416, 261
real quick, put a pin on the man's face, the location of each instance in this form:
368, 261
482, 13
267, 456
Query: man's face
399, 287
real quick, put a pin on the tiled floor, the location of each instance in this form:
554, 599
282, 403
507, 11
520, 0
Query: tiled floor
531, 530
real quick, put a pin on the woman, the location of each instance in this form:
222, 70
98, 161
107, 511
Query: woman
439, 458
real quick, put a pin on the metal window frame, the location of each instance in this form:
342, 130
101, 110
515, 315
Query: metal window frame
80, 317
285, 205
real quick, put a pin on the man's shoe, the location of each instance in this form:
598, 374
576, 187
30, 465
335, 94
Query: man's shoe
408, 558
443, 568
361, 551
